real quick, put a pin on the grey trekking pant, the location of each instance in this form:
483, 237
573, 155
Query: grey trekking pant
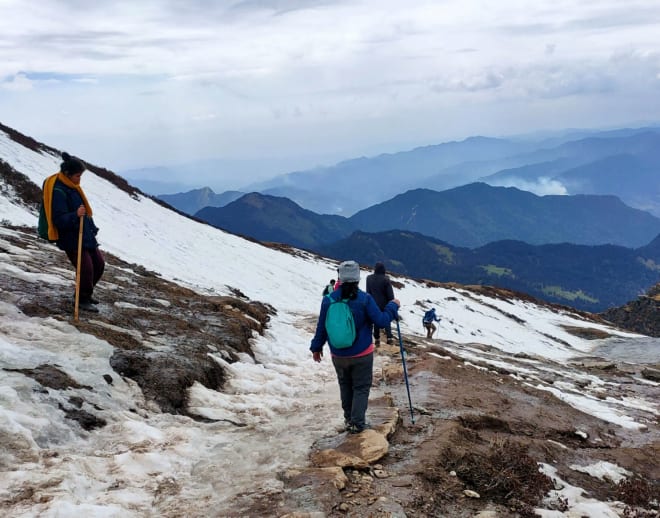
354, 376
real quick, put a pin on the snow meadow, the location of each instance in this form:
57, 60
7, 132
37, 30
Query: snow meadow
145, 462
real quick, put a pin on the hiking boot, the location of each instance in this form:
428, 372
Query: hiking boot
84, 298
377, 342
346, 427
390, 341
88, 306
353, 428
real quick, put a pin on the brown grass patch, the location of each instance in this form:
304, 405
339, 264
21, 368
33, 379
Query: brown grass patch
588, 333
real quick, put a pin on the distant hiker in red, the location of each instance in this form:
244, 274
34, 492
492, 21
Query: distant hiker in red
329, 288
379, 287
349, 338
64, 204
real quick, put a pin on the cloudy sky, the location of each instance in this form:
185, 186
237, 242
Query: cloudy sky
127, 84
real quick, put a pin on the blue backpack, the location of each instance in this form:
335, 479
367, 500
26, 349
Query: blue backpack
339, 324
428, 316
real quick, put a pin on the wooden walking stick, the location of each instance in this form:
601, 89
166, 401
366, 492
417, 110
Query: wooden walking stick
80, 233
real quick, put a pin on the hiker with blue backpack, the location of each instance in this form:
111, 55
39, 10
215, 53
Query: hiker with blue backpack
345, 322
65, 209
428, 322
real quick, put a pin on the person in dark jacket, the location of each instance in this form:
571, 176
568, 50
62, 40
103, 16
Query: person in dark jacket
354, 364
67, 204
379, 287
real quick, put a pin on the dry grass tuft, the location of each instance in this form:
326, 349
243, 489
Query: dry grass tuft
504, 474
637, 491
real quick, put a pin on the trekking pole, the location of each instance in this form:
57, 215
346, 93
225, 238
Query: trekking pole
405, 372
77, 300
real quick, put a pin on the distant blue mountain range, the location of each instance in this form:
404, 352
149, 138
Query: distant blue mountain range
624, 163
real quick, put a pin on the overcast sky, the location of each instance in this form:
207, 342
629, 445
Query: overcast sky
126, 84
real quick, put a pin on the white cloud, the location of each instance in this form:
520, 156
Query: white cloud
541, 187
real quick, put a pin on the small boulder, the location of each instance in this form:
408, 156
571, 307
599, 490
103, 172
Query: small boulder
357, 451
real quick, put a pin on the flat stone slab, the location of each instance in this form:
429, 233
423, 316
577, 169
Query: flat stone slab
359, 450
355, 451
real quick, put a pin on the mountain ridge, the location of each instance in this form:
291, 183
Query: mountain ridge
541, 166
475, 214
470, 216
590, 278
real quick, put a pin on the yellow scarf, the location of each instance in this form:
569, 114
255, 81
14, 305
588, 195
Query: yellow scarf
49, 184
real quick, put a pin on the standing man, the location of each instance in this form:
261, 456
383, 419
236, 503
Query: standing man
380, 288
65, 204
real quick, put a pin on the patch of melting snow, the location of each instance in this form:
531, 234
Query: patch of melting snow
129, 305
440, 356
578, 505
568, 391
478, 367
604, 471
562, 446
594, 407
496, 363
637, 403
